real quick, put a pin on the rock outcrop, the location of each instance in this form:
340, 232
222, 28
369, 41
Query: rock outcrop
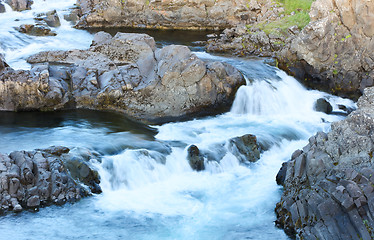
334, 52
31, 179
125, 73
171, 14
328, 185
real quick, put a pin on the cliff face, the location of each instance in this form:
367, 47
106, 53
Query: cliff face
173, 14
335, 51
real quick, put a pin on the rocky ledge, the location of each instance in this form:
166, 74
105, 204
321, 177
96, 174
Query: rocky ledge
171, 14
329, 184
124, 73
31, 179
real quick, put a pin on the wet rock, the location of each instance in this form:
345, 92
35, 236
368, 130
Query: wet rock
245, 148
36, 30
74, 15
30, 179
3, 64
328, 186
2, 8
322, 105
195, 159
116, 72
51, 19
20, 5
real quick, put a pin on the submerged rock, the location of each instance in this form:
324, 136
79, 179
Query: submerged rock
125, 73
328, 186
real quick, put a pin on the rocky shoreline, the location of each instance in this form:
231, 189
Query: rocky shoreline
328, 185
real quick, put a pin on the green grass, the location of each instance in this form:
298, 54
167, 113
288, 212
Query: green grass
300, 18
295, 5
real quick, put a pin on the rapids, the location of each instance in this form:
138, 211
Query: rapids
149, 189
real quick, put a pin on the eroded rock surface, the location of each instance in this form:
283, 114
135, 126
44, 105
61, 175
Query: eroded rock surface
125, 73
173, 14
31, 179
334, 52
328, 185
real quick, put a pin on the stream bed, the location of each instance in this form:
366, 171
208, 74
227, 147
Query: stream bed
149, 189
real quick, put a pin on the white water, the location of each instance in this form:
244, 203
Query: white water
149, 189
18, 46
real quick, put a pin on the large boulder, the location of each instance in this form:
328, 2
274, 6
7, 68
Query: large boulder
20, 5
328, 185
174, 14
334, 52
127, 73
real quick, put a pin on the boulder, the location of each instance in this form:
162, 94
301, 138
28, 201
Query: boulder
328, 186
195, 158
36, 30
3, 64
127, 73
51, 18
20, 5
322, 105
173, 14
245, 148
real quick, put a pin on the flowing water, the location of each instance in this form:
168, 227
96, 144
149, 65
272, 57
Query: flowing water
149, 190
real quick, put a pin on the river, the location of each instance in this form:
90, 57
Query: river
149, 189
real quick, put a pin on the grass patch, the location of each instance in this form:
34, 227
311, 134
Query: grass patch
300, 19
296, 5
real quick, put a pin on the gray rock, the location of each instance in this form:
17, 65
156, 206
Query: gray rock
322, 105
52, 19
245, 148
328, 187
128, 74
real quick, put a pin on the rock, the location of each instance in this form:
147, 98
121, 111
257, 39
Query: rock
20, 5
245, 148
52, 19
36, 30
127, 73
322, 105
81, 168
2, 8
74, 15
3, 64
325, 55
173, 14
328, 186
195, 159
35, 178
